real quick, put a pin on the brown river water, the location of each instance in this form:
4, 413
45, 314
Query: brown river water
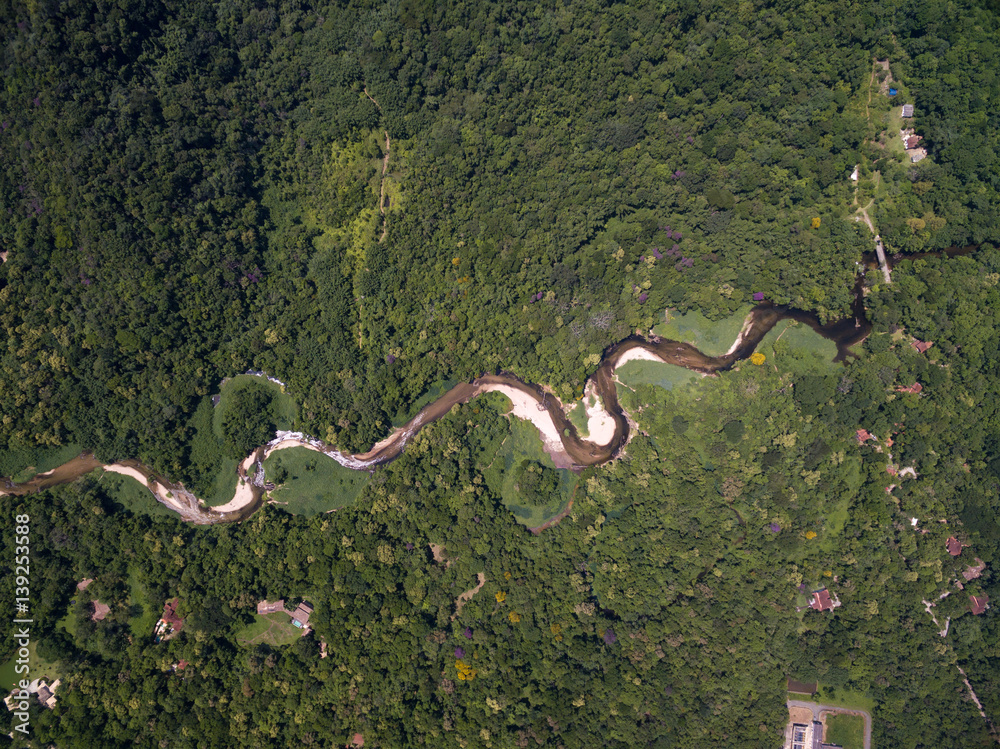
845, 333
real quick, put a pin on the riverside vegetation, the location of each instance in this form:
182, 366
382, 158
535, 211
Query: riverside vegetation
190, 191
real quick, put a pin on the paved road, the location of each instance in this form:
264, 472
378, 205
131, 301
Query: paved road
818, 708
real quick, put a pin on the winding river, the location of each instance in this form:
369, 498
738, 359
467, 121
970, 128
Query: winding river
562, 440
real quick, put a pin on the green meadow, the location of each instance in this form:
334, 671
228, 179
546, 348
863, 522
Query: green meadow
310, 483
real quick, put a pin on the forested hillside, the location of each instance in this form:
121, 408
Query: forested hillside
370, 200
191, 191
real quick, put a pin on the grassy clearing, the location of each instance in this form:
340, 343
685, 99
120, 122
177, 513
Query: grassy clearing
836, 518
710, 337
578, 416
38, 668
285, 410
847, 731
272, 629
645, 372
132, 496
843, 698
524, 442
224, 484
22, 464
795, 347
311, 483
143, 622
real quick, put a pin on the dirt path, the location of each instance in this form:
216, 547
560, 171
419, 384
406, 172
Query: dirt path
385, 168
465, 597
862, 213
871, 82
559, 517
381, 192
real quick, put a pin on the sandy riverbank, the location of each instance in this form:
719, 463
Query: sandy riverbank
242, 498
161, 492
747, 324
289, 443
600, 425
527, 408
637, 354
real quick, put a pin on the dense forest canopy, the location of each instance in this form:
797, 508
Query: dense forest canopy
192, 190
366, 200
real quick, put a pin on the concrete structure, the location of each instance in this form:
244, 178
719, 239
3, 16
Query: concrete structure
801, 736
907, 110
800, 713
266, 607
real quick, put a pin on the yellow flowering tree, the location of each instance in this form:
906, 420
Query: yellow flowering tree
465, 671
757, 358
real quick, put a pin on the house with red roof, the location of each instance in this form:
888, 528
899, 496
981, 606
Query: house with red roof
864, 435
169, 623
170, 614
101, 610
913, 389
979, 603
954, 546
921, 346
821, 600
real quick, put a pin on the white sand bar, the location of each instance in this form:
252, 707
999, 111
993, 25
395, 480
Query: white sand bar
743, 332
526, 407
157, 488
600, 425
637, 354
242, 498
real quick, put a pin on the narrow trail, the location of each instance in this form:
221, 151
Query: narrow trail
862, 213
385, 168
381, 190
